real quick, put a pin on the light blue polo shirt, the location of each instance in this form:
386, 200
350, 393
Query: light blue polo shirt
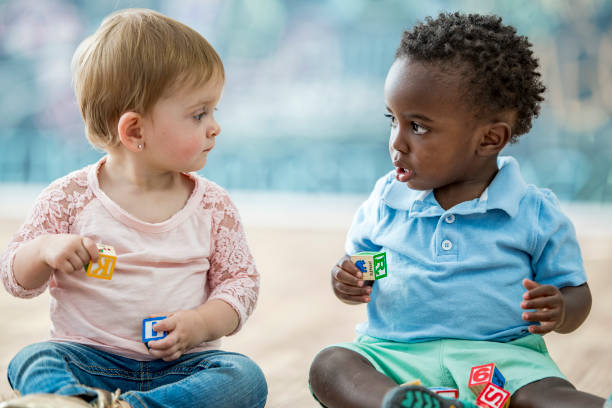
458, 273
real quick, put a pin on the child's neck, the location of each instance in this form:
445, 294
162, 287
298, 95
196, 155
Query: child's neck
467, 189
122, 170
149, 195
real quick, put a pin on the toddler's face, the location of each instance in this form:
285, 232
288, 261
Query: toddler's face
180, 130
433, 134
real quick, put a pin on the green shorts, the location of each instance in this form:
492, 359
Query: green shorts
448, 362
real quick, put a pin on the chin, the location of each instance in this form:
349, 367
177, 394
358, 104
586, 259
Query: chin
415, 185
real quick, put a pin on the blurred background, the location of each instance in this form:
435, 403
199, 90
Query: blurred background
303, 106
303, 141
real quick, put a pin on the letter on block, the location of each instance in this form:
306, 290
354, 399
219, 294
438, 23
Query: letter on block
493, 397
482, 375
103, 269
373, 265
148, 333
445, 392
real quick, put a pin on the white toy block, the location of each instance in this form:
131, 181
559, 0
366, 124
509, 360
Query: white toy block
493, 396
103, 269
373, 265
148, 333
445, 392
484, 374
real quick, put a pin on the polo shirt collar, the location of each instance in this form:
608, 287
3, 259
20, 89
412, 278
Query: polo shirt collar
504, 193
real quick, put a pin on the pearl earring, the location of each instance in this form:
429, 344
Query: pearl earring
139, 147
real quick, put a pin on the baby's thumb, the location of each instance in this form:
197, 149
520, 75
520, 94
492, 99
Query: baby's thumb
529, 284
91, 247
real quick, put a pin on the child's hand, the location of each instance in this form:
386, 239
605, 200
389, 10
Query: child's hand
185, 331
67, 252
347, 283
549, 306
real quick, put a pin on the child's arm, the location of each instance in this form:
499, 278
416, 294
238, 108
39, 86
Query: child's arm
36, 260
562, 310
43, 243
190, 328
347, 284
233, 282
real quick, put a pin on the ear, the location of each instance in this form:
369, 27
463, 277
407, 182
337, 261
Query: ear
130, 132
495, 136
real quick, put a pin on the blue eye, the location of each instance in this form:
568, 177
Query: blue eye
199, 116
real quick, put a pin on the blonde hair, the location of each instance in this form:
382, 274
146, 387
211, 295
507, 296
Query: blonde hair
134, 58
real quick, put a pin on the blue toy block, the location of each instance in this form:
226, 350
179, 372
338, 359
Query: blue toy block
148, 333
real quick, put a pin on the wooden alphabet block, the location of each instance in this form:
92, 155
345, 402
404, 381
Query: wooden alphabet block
373, 265
446, 392
482, 375
103, 269
148, 333
493, 396
413, 382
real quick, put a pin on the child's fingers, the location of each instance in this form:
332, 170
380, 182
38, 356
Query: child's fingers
350, 267
540, 291
541, 316
83, 255
357, 299
167, 343
167, 325
543, 328
352, 290
164, 354
75, 263
347, 278
530, 284
64, 266
91, 248
540, 303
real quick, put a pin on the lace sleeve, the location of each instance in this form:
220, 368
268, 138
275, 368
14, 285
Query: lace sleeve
232, 277
53, 213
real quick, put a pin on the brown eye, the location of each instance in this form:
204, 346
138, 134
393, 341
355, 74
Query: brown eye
418, 129
391, 117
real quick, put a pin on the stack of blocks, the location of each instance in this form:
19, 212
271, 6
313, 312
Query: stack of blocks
487, 384
103, 269
373, 265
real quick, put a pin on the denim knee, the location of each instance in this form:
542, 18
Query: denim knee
21, 366
252, 381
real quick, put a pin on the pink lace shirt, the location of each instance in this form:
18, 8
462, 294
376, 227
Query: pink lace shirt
199, 254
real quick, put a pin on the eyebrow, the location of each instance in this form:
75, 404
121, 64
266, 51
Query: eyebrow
200, 103
413, 116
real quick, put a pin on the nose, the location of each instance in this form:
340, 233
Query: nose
397, 142
214, 130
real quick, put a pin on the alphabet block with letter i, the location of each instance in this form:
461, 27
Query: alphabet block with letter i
485, 374
103, 269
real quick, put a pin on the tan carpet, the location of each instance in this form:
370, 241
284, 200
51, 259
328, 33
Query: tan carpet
297, 314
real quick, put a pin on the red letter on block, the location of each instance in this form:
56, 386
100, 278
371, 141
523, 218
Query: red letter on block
481, 375
494, 397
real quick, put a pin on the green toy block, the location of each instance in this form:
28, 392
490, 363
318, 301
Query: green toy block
373, 265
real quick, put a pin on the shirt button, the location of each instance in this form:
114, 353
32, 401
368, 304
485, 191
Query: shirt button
447, 245
450, 218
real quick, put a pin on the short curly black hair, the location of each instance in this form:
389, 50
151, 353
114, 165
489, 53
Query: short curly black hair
502, 70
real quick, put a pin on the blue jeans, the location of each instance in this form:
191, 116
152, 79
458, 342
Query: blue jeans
206, 379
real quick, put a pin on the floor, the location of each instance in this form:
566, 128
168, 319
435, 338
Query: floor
297, 314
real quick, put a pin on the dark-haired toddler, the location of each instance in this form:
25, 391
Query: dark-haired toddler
481, 264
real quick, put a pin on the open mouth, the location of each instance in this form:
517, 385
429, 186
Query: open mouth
403, 174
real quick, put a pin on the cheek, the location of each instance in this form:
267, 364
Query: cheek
187, 148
